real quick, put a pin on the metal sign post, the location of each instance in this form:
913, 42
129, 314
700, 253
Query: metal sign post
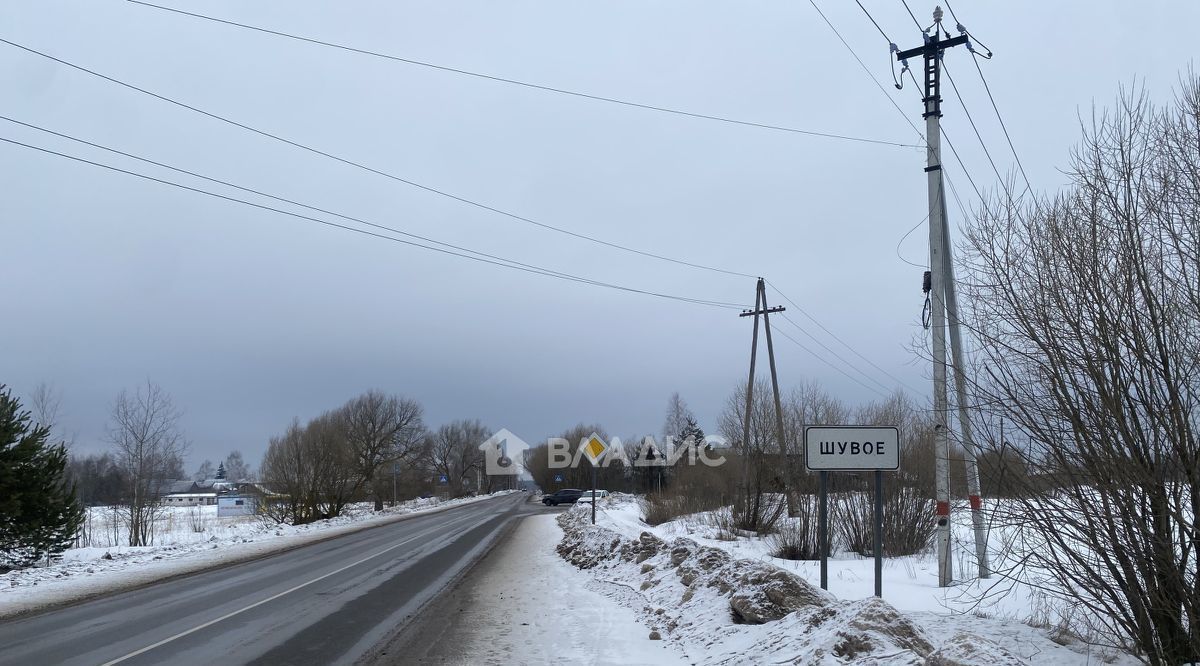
594, 448
823, 529
851, 449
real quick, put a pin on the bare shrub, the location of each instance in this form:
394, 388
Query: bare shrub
693, 489
908, 521
1086, 312
197, 521
797, 538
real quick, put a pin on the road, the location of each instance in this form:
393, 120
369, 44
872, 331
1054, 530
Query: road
325, 603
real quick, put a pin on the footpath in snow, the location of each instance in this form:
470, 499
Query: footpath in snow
729, 602
182, 548
525, 605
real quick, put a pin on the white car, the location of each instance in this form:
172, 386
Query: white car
587, 495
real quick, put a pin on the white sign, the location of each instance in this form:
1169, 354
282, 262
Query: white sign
851, 448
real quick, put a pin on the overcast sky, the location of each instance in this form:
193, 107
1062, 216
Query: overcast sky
250, 318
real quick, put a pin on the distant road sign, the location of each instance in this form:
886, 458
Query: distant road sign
443, 479
852, 448
558, 478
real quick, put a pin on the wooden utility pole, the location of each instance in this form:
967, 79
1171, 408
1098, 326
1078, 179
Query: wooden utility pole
760, 309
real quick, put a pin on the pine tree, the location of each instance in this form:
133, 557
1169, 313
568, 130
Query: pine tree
221, 471
39, 513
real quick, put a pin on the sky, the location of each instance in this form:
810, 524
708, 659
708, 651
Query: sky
249, 318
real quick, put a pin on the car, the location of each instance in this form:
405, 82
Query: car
587, 495
564, 496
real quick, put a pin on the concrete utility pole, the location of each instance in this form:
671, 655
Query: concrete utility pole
945, 306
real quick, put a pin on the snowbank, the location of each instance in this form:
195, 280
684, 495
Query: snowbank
723, 607
81, 573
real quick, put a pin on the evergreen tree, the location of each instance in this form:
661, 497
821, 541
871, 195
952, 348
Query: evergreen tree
691, 430
221, 472
39, 513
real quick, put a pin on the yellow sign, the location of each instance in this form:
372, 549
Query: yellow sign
594, 448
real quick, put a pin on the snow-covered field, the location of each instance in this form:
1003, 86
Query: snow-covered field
187, 539
687, 583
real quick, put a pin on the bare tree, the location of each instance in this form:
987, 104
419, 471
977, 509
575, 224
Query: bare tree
236, 468
759, 457
677, 417
381, 430
45, 404
144, 429
453, 451
205, 471
1086, 309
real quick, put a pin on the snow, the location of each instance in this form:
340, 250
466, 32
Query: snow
528, 609
179, 549
680, 577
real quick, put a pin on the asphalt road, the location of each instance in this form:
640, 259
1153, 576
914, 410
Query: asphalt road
327, 603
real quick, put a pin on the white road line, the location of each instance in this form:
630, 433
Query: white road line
259, 603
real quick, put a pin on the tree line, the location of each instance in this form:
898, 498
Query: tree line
375, 446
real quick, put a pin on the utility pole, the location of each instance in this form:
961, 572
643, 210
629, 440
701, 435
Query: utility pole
945, 306
760, 309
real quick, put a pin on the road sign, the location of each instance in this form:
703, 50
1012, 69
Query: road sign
443, 480
594, 449
558, 478
849, 448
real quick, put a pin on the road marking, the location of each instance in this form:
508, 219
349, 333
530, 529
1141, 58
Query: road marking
259, 603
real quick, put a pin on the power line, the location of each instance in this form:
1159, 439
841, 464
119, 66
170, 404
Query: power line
835, 337
516, 82
873, 21
501, 262
992, 99
824, 360
508, 263
868, 71
974, 127
260, 193
836, 355
373, 170
1003, 126
910, 13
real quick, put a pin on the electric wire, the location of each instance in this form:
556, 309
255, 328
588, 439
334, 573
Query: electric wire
974, 127
1003, 126
836, 355
868, 71
824, 360
260, 193
379, 172
991, 98
834, 336
873, 21
516, 82
509, 263
910, 13
501, 263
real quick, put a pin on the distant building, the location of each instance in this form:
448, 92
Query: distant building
197, 493
236, 505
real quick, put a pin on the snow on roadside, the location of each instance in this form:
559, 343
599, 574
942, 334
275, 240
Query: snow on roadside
525, 606
91, 571
725, 602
